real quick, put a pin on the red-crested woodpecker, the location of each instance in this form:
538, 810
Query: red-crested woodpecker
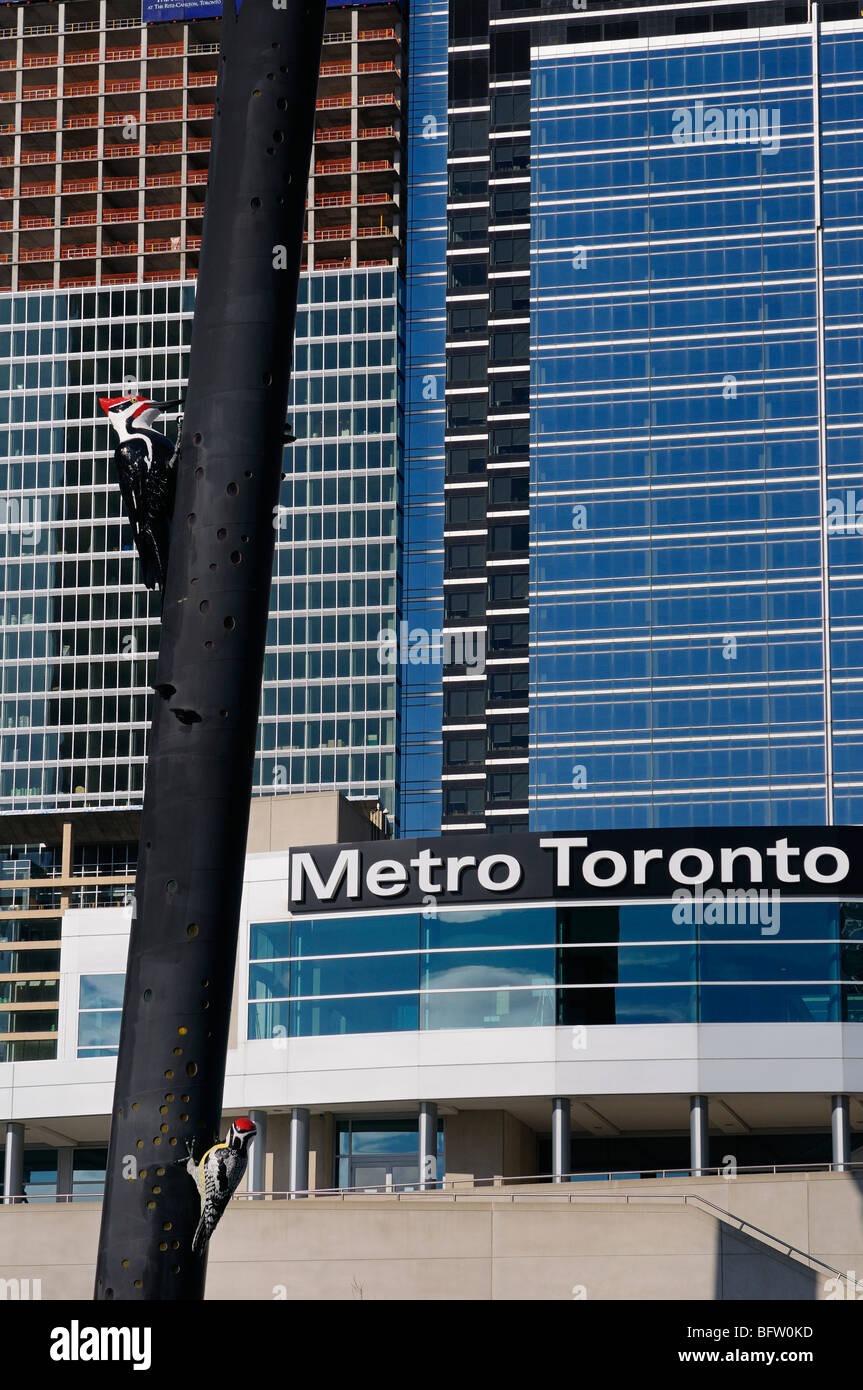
217, 1177
145, 462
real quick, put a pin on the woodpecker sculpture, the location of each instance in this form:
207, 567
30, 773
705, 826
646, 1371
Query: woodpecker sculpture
217, 1177
146, 466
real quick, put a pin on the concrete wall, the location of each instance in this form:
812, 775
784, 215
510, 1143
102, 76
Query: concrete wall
487, 1144
307, 818
581, 1241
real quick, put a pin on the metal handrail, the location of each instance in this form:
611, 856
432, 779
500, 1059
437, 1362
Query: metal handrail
743, 1225
447, 1186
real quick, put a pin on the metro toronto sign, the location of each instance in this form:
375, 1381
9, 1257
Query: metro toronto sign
800, 862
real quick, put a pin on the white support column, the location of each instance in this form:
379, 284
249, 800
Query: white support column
13, 1167
699, 1136
298, 1171
841, 1129
427, 1146
257, 1180
561, 1135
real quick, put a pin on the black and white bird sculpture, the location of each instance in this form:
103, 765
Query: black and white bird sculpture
146, 465
217, 1177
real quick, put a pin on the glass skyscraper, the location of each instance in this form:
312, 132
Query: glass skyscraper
104, 123
696, 380
653, 416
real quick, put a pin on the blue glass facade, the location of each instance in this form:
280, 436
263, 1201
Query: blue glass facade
421, 595
695, 429
78, 633
556, 965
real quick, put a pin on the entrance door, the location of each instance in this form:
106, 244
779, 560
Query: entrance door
384, 1174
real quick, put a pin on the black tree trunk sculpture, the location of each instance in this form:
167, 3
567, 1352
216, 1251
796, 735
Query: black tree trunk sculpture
179, 982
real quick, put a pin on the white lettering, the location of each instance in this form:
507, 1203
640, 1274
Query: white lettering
347, 864
640, 860
618, 872
811, 870
728, 856
675, 866
561, 849
386, 878
514, 873
455, 868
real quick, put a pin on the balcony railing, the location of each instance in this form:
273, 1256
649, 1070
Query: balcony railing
330, 234
344, 166
379, 99
378, 132
336, 132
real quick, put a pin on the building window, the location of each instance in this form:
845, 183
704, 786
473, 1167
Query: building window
508, 685
463, 367
510, 301
511, 203
508, 588
461, 413
510, 442
460, 705
466, 227
381, 1154
99, 1010
468, 134
465, 606
509, 394
468, 183
506, 734
505, 637
464, 801
458, 752
462, 459
506, 489
88, 1174
469, 318
466, 275
507, 539
508, 345
510, 156
464, 507
465, 557
508, 786
512, 108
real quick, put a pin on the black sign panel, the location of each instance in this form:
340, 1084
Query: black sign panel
609, 866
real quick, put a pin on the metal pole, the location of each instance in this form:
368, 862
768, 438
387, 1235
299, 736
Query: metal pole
179, 979
298, 1174
13, 1166
427, 1145
258, 1158
699, 1136
561, 1133
841, 1127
